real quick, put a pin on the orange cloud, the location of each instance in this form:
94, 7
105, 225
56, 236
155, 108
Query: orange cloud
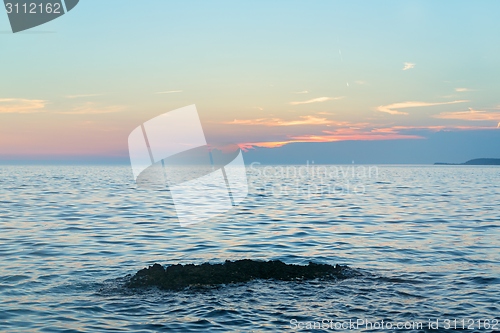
471, 115
169, 92
251, 145
325, 138
342, 134
92, 108
317, 100
392, 108
359, 132
353, 133
304, 120
83, 96
20, 105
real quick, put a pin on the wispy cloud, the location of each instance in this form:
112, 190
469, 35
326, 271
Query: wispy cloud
346, 131
354, 136
471, 115
264, 144
93, 108
361, 132
304, 120
20, 105
302, 92
317, 100
463, 89
361, 82
393, 108
344, 134
408, 65
83, 95
169, 92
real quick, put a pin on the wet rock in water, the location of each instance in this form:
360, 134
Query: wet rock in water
181, 276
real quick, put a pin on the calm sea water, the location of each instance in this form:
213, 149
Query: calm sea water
424, 240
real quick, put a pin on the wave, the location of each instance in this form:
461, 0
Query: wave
179, 276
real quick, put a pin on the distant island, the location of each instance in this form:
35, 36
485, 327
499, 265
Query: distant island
476, 161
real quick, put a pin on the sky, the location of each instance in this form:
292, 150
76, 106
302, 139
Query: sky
263, 74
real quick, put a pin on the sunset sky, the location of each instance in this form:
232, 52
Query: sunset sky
261, 73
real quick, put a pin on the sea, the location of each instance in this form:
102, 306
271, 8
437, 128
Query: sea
422, 243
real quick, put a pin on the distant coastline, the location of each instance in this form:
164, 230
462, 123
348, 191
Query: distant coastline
476, 161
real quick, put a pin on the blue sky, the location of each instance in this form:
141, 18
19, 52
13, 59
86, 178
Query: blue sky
262, 73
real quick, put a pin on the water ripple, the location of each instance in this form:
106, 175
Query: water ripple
424, 240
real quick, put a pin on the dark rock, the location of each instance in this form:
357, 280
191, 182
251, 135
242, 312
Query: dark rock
180, 276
